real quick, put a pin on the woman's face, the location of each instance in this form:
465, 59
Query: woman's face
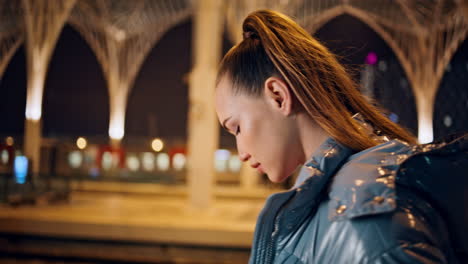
266, 135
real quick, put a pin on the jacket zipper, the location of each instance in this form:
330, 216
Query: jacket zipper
270, 250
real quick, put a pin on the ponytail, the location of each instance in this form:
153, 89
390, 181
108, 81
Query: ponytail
274, 45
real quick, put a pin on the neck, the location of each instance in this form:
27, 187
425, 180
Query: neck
311, 135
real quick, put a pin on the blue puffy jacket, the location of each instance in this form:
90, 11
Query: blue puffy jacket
356, 208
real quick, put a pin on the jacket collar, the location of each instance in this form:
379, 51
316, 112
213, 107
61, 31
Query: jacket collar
359, 183
331, 154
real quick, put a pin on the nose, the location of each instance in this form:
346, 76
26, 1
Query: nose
243, 156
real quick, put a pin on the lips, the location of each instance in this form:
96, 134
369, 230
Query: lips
255, 165
258, 167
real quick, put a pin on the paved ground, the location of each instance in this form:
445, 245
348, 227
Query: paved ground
136, 223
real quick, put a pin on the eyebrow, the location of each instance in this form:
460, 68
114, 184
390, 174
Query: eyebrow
224, 124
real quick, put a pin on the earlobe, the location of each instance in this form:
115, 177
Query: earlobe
278, 94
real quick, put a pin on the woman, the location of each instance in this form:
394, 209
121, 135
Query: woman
289, 102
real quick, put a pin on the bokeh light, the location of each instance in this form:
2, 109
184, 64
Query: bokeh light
157, 144
75, 159
162, 161
371, 58
10, 141
178, 161
81, 143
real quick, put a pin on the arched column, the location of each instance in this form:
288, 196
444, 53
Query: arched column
43, 23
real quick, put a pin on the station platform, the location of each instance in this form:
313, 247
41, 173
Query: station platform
154, 225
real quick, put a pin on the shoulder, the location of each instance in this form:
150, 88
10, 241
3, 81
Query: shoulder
365, 184
391, 220
402, 235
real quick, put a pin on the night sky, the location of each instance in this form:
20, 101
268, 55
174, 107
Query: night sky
75, 100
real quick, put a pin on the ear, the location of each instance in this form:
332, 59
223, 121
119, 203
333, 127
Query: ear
279, 95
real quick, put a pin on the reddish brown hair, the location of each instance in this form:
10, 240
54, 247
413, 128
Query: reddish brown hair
274, 45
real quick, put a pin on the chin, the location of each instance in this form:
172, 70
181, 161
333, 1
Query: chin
277, 178
280, 175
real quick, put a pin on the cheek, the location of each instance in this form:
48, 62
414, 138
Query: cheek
282, 168
282, 154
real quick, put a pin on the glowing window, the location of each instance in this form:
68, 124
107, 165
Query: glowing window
75, 159
234, 163
162, 161
4, 156
147, 161
106, 162
21, 169
178, 161
221, 159
133, 163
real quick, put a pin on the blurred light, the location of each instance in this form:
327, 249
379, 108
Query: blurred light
234, 163
425, 133
133, 163
75, 159
116, 133
106, 160
120, 35
33, 115
35, 92
393, 117
81, 143
371, 58
94, 172
21, 169
90, 155
222, 154
147, 160
157, 144
5, 156
178, 161
382, 66
221, 158
447, 121
162, 161
10, 141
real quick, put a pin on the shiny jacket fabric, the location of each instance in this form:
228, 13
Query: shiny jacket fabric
351, 208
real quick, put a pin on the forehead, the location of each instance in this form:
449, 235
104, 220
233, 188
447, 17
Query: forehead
232, 104
224, 97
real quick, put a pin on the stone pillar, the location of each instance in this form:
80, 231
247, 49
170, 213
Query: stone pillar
203, 128
32, 143
43, 22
